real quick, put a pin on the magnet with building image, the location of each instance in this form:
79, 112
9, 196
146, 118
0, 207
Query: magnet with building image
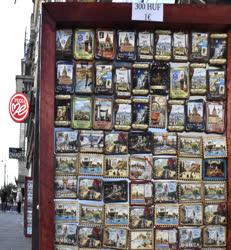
215, 191
84, 77
216, 84
64, 43
166, 191
215, 213
66, 164
180, 46
164, 143
214, 147
198, 79
90, 237
179, 81
141, 217
64, 77
66, 233
104, 77
123, 114
140, 142
141, 239
190, 237
190, 191
91, 214
81, 112
199, 50
214, 169
195, 115
62, 110
218, 48
105, 44
122, 79
166, 214
115, 191
165, 167
166, 238
115, 237
214, 236
141, 193
116, 143
189, 145
65, 186
126, 45
140, 113
66, 211
102, 115
91, 141
159, 78
163, 45
191, 214
215, 117
116, 214
140, 79
145, 46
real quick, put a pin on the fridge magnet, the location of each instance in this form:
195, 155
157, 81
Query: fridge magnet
165, 191
105, 44
116, 238
65, 211
191, 214
84, 44
215, 213
66, 233
214, 169
141, 217
216, 85
140, 142
91, 214
90, 237
176, 115
65, 187
180, 46
123, 79
199, 46
140, 113
195, 113
91, 141
64, 77
215, 117
126, 49
141, 193
166, 238
116, 215
141, 239
214, 147
65, 164
159, 78
165, 167
84, 77
189, 146
179, 82
141, 167
190, 237
64, 42
116, 143
198, 79
66, 141
158, 111
81, 112
163, 45
140, 79
215, 191
102, 113
166, 214
103, 81
190, 191
164, 143
62, 110
123, 114
91, 164
116, 166
145, 44
115, 191
214, 236
190, 168
65, 247
218, 48
90, 189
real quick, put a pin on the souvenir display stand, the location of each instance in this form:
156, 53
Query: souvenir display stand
28, 206
177, 18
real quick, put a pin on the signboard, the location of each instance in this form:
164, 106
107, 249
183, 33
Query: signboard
152, 12
28, 206
19, 107
15, 153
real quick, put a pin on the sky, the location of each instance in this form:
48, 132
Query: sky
14, 19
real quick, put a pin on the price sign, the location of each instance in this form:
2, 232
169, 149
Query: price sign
152, 12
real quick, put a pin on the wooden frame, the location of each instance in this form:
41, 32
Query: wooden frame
110, 15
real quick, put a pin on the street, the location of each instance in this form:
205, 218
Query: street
11, 232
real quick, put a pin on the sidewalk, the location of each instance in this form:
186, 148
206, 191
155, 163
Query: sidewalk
11, 232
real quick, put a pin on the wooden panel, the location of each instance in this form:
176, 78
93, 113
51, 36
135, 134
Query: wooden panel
46, 146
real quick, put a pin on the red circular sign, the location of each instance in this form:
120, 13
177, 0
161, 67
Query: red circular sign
18, 107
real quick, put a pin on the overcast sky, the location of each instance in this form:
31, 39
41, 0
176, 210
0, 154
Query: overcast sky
14, 19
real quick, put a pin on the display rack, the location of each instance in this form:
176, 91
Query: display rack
95, 15
28, 206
